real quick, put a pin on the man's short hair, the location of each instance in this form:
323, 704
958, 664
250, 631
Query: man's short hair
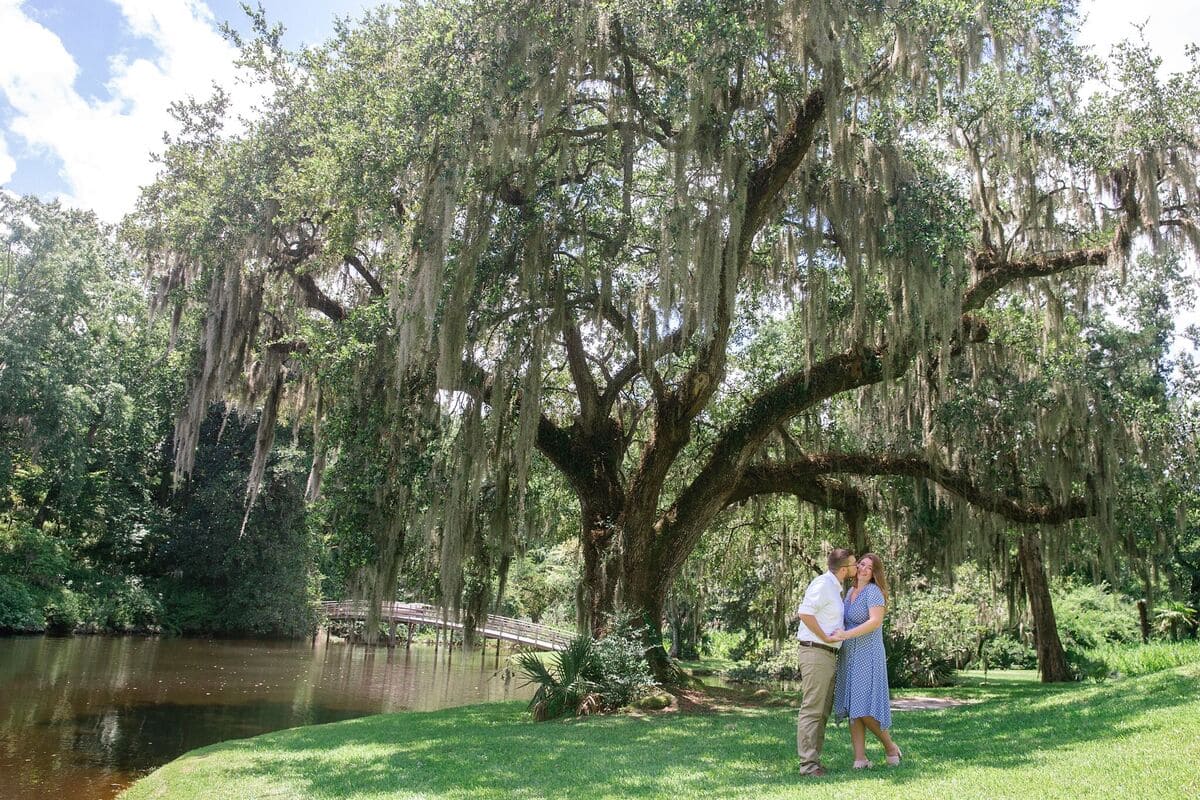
837, 557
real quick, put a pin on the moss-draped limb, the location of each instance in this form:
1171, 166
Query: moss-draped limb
995, 275
781, 476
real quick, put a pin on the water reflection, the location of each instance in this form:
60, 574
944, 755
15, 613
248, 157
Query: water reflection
84, 717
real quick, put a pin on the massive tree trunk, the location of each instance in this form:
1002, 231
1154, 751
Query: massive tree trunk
1052, 661
647, 583
601, 570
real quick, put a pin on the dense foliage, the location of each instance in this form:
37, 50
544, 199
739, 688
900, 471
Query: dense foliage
92, 534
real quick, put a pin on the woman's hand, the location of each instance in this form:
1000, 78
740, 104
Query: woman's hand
838, 636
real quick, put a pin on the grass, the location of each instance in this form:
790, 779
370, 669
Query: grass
1130, 738
1146, 658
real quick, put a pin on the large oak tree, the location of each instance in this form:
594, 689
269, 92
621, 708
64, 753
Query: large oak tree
467, 232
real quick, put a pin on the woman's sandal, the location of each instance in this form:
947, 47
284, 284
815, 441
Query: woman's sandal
864, 764
894, 761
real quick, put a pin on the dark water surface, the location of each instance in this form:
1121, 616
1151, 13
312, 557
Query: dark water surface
84, 717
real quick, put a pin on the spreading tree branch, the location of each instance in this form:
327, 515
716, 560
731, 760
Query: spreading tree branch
995, 275
799, 473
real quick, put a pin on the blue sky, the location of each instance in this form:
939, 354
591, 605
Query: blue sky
84, 84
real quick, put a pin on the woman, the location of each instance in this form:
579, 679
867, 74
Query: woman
861, 693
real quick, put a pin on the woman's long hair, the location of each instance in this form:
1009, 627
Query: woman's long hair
877, 575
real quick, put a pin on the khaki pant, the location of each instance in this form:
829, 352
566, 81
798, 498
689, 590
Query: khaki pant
818, 669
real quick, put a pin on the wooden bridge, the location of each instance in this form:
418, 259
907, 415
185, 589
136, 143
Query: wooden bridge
507, 629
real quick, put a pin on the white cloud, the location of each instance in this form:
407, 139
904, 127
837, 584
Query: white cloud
8, 166
1168, 25
105, 145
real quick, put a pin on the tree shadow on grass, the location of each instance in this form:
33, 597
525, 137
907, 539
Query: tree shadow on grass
495, 751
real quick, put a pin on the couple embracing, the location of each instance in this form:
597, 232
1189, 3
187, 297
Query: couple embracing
843, 668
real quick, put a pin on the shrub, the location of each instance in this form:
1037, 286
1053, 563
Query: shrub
1006, 652
744, 646
43, 586
1089, 616
621, 672
589, 676
928, 634
1175, 619
908, 664
1142, 659
65, 609
1084, 666
19, 611
126, 605
719, 643
188, 610
766, 666
563, 686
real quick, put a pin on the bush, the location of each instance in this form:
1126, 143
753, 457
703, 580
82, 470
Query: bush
720, 643
908, 664
621, 672
1089, 616
766, 666
65, 610
589, 676
1006, 652
19, 611
1142, 659
1175, 619
928, 634
1084, 666
126, 605
43, 586
745, 646
563, 687
188, 610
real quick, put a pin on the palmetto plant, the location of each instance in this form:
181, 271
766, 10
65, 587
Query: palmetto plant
565, 686
1174, 618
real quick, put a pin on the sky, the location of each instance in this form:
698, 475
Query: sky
85, 85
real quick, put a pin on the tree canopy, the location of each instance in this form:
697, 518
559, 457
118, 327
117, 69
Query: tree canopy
690, 253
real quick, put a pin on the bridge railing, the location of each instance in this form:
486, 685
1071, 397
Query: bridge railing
509, 629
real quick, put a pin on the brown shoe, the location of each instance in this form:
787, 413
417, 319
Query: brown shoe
819, 772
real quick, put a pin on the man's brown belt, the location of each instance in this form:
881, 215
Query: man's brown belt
806, 643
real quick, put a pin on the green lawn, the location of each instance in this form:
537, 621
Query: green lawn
1133, 738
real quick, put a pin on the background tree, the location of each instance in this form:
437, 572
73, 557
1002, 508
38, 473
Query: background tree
92, 537
220, 572
81, 410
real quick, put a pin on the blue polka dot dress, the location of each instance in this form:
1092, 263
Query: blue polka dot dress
862, 685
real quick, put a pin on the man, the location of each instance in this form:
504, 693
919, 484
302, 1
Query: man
820, 616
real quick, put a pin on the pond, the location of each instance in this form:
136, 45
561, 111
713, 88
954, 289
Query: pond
84, 717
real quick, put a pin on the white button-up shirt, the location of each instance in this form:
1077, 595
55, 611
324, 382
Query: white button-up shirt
823, 600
